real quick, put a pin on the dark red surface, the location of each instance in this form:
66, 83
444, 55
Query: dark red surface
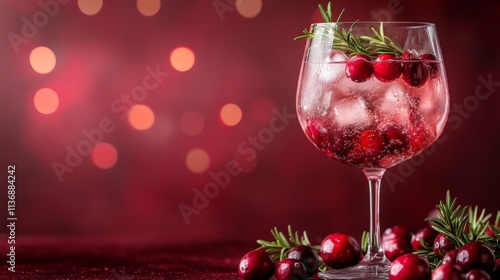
124, 259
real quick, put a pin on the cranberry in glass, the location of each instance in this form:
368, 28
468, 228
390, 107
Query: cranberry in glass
447, 272
476, 255
442, 245
477, 274
339, 250
307, 256
432, 64
359, 68
415, 72
410, 267
423, 239
289, 269
387, 67
256, 265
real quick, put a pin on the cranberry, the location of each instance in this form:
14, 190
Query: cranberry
396, 140
410, 267
477, 274
256, 265
496, 271
359, 68
447, 272
342, 141
490, 231
432, 64
423, 239
450, 257
397, 231
407, 56
290, 269
340, 250
307, 256
368, 146
442, 245
420, 137
476, 255
316, 132
387, 67
395, 247
415, 72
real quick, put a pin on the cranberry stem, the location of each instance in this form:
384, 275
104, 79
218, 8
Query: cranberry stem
374, 253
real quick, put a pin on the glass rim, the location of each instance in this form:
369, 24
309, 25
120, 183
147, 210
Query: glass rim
407, 24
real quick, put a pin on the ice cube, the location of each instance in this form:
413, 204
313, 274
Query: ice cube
393, 103
351, 111
333, 68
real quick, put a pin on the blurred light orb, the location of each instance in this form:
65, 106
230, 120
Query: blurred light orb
192, 123
46, 101
182, 59
249, 8
141, 117
90, 7
104, 155
148, 7
231, 114
197, 160
42, 60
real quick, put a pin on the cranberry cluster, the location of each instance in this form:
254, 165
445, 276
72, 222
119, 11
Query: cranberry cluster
473, 261
388, 67
301, 263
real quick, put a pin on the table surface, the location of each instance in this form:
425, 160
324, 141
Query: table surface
84, 258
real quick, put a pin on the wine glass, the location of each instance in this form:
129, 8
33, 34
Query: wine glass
372, 95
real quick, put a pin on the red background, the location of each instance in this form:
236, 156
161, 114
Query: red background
241, 61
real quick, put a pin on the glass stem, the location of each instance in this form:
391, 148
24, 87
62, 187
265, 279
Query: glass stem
374, 250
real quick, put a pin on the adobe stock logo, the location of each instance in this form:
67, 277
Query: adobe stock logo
248, 151
31, 26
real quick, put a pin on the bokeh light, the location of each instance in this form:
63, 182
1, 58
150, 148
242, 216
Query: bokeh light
197, 160
46, 101
42, 60
148, 7
104, 155
231, 114
90, 7
141, 117
249, 8
192, 123
182, 59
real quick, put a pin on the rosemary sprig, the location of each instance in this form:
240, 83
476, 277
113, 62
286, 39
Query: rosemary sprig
347, 42
281, 245
451, 221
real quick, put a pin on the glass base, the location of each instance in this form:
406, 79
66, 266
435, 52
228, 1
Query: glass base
376, 267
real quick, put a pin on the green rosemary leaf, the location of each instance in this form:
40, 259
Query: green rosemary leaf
326, 17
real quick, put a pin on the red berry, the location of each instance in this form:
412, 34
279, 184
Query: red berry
340, 250
450, 257
423, 239
397, 231
407, 56
367, 147
477, 274
442, 245
290, 269
256, 265
342, 141
396, 140
410, 267
432, 64
395, 247
421, 137
307, 256
359, 68
415, 72
447, 272
496, 271
316, 132
387, 67
476, 255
